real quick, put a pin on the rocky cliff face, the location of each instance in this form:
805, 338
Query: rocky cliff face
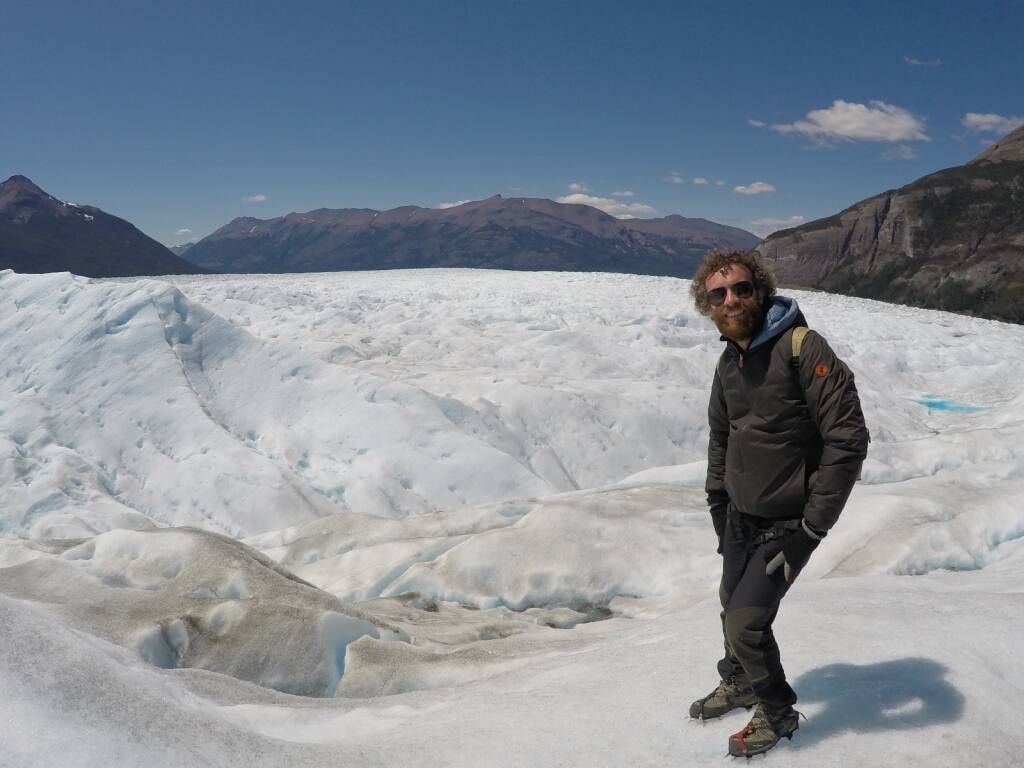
39, 233
503, 233
952, 240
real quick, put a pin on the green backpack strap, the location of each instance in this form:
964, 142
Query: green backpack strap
798, 339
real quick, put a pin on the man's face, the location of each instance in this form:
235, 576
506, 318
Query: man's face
737, 318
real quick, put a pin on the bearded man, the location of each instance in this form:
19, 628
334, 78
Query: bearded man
786, 446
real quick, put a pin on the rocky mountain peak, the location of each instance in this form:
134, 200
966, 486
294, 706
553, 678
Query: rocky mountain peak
17, 180
1009, 149
41, 233
19, 190
951, 240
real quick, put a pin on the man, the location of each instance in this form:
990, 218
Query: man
786, 446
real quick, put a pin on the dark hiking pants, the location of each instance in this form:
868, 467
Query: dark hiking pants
750, 600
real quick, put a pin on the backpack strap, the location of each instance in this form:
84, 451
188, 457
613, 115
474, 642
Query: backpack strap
798, 339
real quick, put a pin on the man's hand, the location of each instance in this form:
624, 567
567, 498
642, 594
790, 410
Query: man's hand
792, 552
718, 518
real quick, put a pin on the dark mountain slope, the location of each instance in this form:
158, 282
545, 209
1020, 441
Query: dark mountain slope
39, 233
505, 233
952, 240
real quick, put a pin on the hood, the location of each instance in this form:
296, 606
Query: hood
781, 316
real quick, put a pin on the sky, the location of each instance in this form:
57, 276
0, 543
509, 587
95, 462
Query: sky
182, 116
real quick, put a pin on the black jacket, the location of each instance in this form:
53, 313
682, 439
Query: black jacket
786, 441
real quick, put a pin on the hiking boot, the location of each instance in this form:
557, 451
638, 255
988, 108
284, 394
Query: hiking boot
764, 731
729, 695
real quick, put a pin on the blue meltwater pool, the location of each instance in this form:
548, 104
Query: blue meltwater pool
942, 404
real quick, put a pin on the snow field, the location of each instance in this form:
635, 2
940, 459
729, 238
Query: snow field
478, 500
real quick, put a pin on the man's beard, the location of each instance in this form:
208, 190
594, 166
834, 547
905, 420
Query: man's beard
739, 322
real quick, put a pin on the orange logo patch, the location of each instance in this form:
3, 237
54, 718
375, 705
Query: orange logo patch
821, 370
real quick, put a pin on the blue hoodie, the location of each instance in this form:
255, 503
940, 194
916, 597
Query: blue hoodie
781, 315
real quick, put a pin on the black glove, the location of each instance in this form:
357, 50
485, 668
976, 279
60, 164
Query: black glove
718, 516
792, 551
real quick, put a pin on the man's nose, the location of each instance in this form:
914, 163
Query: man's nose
730, 297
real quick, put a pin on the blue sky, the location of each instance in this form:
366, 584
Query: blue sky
182, 116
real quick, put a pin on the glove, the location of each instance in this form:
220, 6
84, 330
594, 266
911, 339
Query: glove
718, 516
793, 551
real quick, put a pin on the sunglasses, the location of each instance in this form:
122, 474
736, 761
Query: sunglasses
742, 289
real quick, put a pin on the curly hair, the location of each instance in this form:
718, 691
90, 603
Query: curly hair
717, 260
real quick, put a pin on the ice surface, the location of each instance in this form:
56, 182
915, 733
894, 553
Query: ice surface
455, 517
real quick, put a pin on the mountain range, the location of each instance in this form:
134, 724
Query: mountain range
39, 233
952, 240
519, 233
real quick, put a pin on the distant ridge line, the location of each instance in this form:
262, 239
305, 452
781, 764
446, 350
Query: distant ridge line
519, 233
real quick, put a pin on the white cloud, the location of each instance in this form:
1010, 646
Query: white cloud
616, 208
184, 231
849, 121
442, 206
991, 123
577, 186
900, 152
255, 199
921, 63
756, 123
674, 178
764, 227
719, 183
624, 193
757, 188
700, 182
